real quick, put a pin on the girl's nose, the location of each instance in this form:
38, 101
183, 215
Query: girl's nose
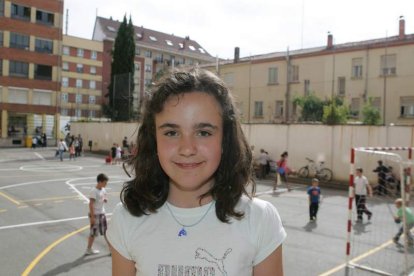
187, 146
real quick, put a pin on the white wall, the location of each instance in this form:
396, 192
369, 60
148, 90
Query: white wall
331, 144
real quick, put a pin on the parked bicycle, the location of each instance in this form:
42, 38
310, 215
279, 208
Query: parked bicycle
315, 170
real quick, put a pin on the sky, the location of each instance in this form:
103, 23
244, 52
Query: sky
255, 26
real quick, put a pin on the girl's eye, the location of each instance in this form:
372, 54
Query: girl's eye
204, 133
170, 133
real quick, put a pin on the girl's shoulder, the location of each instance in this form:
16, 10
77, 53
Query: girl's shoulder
255, 208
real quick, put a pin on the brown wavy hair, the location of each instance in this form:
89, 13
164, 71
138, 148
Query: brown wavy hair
148, 190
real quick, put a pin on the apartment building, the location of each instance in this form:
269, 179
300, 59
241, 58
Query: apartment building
81, 93
381, 70
30, 61
154, 51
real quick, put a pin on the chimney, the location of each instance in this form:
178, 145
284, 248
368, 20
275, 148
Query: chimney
236, 54
330, 41
401, 34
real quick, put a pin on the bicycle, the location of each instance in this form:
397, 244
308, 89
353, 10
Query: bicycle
318, 171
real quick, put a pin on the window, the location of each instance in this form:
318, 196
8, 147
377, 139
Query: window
78, 112
65, 66
1, 7
158, 57
148, 68
92, 84
43, 46
357, 68
307, 87
1, 38
355, 103
279, 109
192, 48
376, 102
79, 68
64, 97
388, 65
1, 67
19, 69
169, 42
43, 72
153, 38
258, 109
20, 12
190, 61
19, 96
147, 82
65, 82
407, 106
80, 52
228, 79
137, 51
78, 98
148, 53
341, 86
272, 75
92, 99
1, 94
92, 70
79, 83
19, 41
45, 17
110, 28
137, 67
42, 97
294, 73
92, 113
66, 50
94, 55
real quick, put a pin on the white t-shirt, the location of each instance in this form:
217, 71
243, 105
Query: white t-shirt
99, 196
361, 183
263, 158
210, 247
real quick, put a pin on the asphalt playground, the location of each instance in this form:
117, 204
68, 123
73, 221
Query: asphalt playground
44, 224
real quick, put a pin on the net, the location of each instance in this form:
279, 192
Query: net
370, 245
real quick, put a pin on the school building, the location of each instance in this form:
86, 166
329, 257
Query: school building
266, 85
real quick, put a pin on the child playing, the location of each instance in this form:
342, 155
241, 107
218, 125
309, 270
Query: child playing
314, 193
187, 208
409, 217
97, 198
72, 151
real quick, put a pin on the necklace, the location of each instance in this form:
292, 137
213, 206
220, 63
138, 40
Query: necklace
183, 231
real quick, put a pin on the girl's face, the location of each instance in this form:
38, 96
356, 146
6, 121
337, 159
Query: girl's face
189, 133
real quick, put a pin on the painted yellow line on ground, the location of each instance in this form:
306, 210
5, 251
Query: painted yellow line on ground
9, 198
356, 259
22, 206
50, 247
58, 198
2, 210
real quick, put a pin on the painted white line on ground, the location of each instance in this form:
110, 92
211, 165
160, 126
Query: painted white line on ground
45, 222
32, 182
39, 155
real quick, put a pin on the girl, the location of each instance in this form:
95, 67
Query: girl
72, 151
187, 210
282, 171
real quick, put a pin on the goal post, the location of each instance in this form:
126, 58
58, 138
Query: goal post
375, 242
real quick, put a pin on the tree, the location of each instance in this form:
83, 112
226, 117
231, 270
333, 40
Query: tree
312, 108
122, 74
334, 114
370, 114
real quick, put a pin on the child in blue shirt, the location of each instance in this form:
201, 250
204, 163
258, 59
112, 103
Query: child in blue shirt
314, 193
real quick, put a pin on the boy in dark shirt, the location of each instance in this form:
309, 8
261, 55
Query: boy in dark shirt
314, 193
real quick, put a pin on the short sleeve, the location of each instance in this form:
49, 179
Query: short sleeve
92, 194
270, 233
116, 233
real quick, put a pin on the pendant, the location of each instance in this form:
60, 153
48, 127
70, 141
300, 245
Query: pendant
182, 232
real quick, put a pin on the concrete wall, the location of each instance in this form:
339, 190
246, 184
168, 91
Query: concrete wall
331, 144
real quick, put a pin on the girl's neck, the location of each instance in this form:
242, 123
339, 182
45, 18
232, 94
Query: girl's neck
188, 200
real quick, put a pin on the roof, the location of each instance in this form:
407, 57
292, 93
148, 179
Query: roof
349, 46
153, 39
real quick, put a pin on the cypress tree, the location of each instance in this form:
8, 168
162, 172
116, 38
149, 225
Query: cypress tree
122, 73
